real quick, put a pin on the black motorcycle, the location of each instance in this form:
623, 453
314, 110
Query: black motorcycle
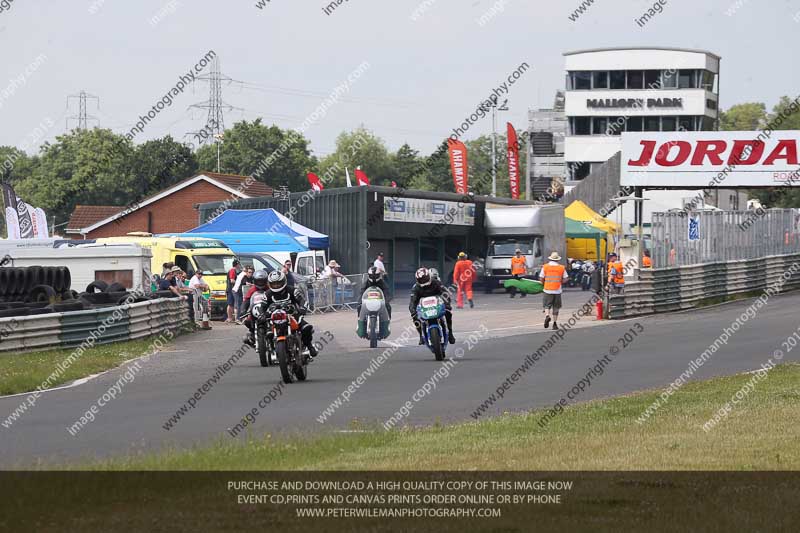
265, 345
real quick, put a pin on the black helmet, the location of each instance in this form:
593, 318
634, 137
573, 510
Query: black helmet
277, 281
423, 277
260, 279
374, 275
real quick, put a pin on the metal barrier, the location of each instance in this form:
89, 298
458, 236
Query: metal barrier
333, 294
723, 236
687, 287
106, 324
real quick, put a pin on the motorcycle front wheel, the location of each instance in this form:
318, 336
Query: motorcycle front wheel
300, 368
436, 344
261, 346
282, 350
373, 332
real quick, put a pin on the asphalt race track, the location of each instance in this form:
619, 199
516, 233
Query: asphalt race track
133, 421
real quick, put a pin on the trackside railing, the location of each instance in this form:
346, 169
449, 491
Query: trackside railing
674, 289
106, 325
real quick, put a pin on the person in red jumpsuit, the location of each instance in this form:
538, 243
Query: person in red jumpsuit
463, 274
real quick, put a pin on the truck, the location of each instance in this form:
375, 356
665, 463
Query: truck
128, 265
536, 230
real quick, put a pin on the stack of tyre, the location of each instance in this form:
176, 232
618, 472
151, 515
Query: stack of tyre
102, 294
36, 290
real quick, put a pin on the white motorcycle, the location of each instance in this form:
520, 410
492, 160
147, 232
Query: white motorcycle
373, 317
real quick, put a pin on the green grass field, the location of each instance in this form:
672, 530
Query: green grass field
761, 433
25, 372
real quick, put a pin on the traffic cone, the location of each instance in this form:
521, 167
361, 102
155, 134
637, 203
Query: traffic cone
205, 323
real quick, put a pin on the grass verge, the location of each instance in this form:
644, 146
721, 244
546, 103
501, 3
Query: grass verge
758, 434
24, 372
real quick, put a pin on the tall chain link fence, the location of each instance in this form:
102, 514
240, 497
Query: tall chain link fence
680, 238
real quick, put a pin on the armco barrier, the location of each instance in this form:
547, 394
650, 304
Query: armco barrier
674, 289
109, 324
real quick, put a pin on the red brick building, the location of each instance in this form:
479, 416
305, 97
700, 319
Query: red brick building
170, 211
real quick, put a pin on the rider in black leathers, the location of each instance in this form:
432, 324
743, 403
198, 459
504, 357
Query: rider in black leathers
277, 290
428, 286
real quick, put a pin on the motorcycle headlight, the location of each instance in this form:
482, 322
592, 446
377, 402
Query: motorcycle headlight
258, 312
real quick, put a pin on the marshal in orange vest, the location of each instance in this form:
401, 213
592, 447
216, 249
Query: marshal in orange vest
553, 275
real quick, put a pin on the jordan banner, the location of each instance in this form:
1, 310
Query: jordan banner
22, 220
459, 166
513, 161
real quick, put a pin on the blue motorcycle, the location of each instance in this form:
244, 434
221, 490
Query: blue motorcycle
431, 314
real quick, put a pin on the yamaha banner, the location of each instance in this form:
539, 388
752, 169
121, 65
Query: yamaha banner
513, 161
458, 163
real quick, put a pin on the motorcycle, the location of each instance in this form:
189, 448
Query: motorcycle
431, 313
265, 345
292, 359
575, 273
588, 269
377, 318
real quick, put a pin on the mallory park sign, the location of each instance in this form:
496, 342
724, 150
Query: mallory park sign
628, 103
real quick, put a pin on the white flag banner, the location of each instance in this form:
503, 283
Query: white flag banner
347, 173
23, 220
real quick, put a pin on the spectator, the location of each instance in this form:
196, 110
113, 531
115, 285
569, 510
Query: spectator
379, 264
243, 281
198, 286
287, 267
332, 270
166, 267
233, 273
168, 283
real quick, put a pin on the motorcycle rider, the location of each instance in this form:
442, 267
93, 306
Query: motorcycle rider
428, 286
275, 289
374, 279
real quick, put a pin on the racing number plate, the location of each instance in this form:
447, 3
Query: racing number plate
430, 301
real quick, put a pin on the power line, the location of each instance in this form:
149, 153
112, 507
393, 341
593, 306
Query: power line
215, 121
82, 117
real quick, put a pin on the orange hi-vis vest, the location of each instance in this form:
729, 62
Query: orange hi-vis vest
518, 265
553, 274
647, 262
619, 278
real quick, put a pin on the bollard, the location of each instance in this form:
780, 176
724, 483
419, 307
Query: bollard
600, 310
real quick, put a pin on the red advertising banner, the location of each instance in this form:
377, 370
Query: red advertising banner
513, 161
458, 163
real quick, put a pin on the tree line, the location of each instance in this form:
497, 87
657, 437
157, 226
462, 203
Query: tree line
100, 167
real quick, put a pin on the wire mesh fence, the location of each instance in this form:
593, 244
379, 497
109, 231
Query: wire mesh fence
333, 294
680, 238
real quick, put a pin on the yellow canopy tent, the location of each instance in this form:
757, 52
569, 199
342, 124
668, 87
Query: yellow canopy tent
587, 248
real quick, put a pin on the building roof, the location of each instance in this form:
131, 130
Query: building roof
86, 215
236, 186
235, 181
628, 48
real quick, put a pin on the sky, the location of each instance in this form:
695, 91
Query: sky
431, 62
